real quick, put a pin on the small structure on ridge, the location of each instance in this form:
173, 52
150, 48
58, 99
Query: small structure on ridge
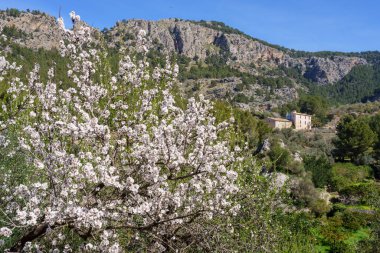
279, 123
300, 121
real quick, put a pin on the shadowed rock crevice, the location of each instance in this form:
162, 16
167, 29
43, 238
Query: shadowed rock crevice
177, 38
221, 41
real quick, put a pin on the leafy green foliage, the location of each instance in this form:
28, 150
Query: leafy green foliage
13, 12
309, 104
355, 137
316, 106
343, 232
302, 233
274, 82
45, 58
375, 126
360, 84
320, 169
372, 57
345, 174
363, 193
198, 72
280, 157
13, 32
248, 129
241, 98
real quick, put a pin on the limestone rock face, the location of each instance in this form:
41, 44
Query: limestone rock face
193, 40
41, 30
265, 147
175, 36
248, 51
198, 42
330, 70
189, 39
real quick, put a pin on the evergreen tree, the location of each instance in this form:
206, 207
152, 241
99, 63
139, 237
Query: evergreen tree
355, 137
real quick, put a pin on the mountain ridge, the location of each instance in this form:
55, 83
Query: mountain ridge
261, 73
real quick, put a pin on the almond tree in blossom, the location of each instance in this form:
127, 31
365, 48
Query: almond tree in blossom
111, 159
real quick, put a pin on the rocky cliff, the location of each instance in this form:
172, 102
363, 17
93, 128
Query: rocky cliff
197, 41
330, 70
41, 30
191, 40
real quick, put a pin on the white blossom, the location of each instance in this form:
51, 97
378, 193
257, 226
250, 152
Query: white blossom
6, 232
118, 153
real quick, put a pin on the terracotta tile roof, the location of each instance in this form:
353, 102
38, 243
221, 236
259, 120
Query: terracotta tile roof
300, 113
280, 119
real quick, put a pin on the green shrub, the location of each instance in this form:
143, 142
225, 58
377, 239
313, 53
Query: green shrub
354, 138
319, 206
356, 219
13, 12
280, 157
321, 170
241, 98
345, 174
13, 32
367, 193
359, 85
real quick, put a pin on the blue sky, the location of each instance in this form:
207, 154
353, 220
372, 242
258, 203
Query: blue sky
312, 25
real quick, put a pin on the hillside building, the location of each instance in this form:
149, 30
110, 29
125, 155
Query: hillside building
301, 121
279, 123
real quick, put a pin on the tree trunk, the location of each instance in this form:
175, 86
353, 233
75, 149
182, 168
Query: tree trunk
33, 234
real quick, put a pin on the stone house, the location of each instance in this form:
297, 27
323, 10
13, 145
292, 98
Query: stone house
279, 123
301, 121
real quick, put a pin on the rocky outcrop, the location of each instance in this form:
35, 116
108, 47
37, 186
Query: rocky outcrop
330, 70
175, 36
247, 51
193, 40
222, 42
189, 39
177, 39
41, 30
265, 147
